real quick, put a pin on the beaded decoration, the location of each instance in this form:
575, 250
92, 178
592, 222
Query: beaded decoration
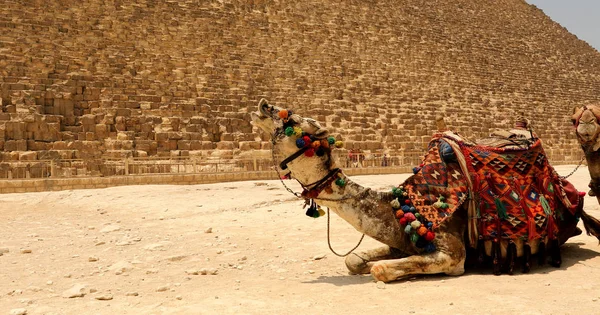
318, 147
313, 146
419, 230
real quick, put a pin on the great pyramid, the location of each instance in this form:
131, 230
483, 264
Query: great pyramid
95, 79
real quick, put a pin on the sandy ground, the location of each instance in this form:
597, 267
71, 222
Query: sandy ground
143, 250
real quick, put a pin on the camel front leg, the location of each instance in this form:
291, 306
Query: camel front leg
449, 259
437, 262
361, 262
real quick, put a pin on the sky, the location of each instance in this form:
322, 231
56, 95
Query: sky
580, 17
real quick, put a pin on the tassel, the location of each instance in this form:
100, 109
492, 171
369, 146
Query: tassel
481, 251
542, 254
526, 258
312, 210
555, 258
511, 255
551, 227
531, 231
545, 205
496, 258
500, 208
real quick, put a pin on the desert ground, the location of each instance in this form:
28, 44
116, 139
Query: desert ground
243, 248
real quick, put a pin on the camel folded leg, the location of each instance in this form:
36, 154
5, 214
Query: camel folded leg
436, 262
361, 262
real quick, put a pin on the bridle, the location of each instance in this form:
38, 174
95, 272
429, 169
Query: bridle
310, 191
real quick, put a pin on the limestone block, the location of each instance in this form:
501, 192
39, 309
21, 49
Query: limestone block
101, 131
28, 156
183, 145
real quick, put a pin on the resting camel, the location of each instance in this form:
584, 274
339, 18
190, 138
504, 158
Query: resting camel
587, 128
502, 204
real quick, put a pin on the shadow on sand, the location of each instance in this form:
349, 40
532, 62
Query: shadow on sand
572, 253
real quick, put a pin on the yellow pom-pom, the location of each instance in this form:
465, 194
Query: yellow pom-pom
339, 144
321, 212
297, 131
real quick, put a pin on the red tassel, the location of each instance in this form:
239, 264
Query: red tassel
551, 227
531, 229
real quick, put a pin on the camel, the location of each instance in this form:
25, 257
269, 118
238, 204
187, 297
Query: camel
587, 129
416, 240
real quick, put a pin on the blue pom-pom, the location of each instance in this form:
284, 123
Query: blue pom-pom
412, 209
430, 248
430, 224
416, 170
405, 208
300, 143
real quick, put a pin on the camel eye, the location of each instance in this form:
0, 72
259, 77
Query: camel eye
574, 121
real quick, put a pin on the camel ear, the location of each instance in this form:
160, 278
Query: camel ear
575, 109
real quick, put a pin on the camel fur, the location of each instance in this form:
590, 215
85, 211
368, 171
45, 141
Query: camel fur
369, 212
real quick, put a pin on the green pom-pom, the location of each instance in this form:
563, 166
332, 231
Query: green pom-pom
331, 140
418, 215
398, 192
340, 182
289, 131
414, 237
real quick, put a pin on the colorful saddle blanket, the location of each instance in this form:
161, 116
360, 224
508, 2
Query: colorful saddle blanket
510, 193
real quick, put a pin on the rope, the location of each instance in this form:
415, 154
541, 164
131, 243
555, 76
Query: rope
329, 240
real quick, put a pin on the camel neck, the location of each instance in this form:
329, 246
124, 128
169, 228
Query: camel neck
368, 211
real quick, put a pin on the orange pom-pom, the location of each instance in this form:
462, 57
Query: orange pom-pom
283, 114
316, 144
399, 214
325, 144
422, 230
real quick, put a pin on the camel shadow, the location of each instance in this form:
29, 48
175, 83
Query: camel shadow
572, 254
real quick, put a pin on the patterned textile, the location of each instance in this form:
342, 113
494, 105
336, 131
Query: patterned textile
516, 192
433, 179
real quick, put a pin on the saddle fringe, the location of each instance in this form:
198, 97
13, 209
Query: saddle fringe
591, 225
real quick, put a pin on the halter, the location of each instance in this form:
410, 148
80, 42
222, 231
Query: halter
310, 191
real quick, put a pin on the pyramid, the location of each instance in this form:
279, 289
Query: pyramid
101, 79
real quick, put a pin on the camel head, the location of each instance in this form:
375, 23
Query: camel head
587, 126
301, 143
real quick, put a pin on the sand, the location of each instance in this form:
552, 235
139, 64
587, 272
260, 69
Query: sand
144, 249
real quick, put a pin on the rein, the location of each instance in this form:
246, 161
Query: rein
317, 188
